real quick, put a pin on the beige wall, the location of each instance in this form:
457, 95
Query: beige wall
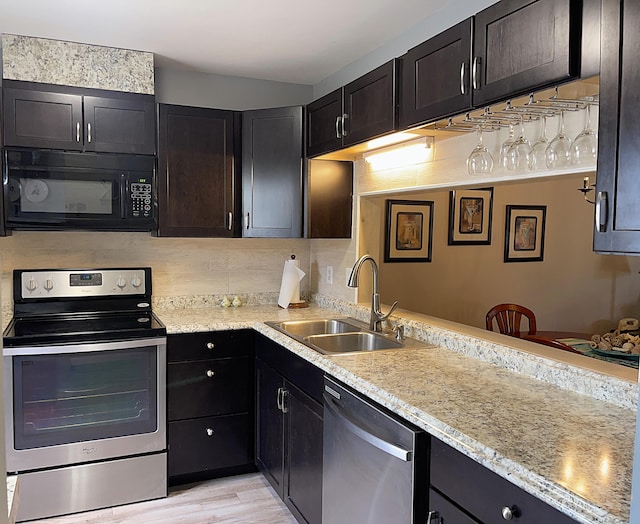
181, 266
572, 289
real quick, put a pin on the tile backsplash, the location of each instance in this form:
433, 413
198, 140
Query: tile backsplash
249, 267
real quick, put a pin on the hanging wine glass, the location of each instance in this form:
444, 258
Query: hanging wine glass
504, 148
518, 153
479, 161
538, 155
584, 149
559, 150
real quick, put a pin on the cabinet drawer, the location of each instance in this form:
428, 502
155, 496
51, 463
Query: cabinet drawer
445, 511
208, 345
209, 443
208, 387
482, 492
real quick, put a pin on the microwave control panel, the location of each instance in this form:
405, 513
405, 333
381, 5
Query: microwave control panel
140, 198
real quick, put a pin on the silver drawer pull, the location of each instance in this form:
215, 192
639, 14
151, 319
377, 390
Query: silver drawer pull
210, 345
509, 513
210, 373
209, 432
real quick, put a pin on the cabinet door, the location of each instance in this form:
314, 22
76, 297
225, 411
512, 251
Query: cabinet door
329, 199
196, 172
207, 387
205, 444
324, 124
443, 510
120, 125
272, 172
369, 104
269, 426
436, 79
42, 119
303, 479
618, 185
522, 45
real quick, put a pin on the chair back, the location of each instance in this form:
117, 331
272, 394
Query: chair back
508, 318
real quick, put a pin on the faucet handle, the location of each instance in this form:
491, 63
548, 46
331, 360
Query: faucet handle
385, 317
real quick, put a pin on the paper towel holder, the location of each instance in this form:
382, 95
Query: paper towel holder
300, 303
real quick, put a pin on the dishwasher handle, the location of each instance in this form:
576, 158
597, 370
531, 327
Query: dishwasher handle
353, 427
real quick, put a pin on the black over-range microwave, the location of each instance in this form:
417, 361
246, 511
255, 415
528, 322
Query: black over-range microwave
60, 190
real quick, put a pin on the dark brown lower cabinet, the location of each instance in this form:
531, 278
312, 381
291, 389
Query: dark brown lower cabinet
465, 492
289, 428
209, 405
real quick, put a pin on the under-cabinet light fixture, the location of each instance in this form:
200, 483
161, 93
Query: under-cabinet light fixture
416, 151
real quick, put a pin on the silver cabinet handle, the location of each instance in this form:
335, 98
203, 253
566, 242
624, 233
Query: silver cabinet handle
209, 432
474, 72
345, 117
246, 221
353, 427
602, 211
509, 513
462, 88
77, 131
89, 132
338, 136
433, 515
279, 399
230, 225
210, 373
210, 345
285, 394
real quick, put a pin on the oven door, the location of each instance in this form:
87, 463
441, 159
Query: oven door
80, 403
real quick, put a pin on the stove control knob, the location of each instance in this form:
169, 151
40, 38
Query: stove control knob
136, 281
121, 282
48, 285
32, 284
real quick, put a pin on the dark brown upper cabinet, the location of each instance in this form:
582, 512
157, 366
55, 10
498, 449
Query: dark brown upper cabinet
58, 117
272, 172
524, 45
196, 172
329, 198
361, 110
617, 228
436, 76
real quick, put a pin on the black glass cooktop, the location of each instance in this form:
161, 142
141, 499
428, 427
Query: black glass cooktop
83, 328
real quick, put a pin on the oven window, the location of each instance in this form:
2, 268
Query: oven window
50, 195
76, 397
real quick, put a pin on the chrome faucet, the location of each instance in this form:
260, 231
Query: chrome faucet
377, 317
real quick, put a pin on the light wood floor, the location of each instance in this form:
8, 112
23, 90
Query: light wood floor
244, 499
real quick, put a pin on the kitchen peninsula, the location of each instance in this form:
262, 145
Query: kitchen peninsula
515, 412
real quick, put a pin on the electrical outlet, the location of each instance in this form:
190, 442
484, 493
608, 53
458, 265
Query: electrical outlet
330, 275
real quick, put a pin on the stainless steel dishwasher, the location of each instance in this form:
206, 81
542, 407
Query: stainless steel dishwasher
374, 465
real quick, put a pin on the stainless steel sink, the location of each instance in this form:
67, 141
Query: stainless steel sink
351, 342
340, 336
305, 328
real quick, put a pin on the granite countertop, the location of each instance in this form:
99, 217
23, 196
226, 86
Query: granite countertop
569, 449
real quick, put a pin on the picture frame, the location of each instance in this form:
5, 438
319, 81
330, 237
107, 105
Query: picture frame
470, 214
524, 233
408, 231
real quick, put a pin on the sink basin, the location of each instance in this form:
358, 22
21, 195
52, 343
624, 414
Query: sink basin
305, 328
350, 342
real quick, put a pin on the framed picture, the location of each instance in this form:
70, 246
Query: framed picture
524, 235
470, 216
409, 227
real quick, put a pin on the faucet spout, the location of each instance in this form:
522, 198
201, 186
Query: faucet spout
377, 317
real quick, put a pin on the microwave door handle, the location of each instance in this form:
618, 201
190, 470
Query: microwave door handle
123, 195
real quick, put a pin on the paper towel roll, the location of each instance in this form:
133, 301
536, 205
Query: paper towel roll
290, 287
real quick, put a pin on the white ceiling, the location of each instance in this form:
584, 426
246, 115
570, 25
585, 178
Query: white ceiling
298, 41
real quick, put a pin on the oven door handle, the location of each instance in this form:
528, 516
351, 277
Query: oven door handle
83, 348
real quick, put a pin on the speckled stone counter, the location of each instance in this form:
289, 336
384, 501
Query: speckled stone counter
569, 449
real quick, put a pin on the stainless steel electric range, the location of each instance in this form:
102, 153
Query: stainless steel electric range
85, 369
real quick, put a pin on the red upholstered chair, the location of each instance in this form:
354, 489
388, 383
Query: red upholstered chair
508, 318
